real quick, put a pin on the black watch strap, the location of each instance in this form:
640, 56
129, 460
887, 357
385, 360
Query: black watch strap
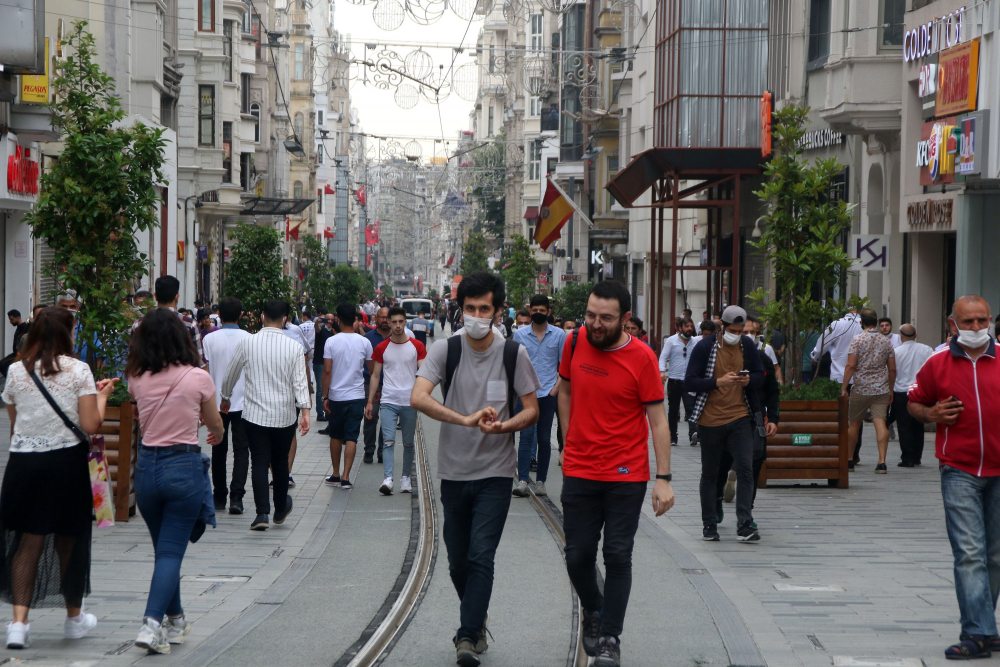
668, 477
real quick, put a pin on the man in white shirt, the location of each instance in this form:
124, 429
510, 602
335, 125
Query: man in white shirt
218, 348
835, 340
910, 357
885, 327
344, 359
295, 332
673, 366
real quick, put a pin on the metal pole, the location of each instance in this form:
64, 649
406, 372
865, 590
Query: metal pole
673, 252
651, 312
734, 283
569, 242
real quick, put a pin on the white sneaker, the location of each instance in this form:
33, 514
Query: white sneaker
176, 629
153, 639
404, 485
386, 488
540, 489
78, 626
521, 490
17, 635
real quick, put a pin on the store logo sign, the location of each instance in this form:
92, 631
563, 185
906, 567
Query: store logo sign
927, 81
933, 36
936, 153
958, 79
930, 214
22, 172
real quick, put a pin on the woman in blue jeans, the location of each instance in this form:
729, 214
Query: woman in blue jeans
173, 395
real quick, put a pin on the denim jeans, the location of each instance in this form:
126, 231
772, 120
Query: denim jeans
540, 433
736, 439
232, 422
406, 418
972, 514
318, 374
169, 491
588, 507
475, 513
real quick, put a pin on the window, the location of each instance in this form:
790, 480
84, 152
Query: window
206, 115
255, 112
246, 171
227, 151
300, 61
206, 15
535, 102
534, 159
612, 172
255, 31
319, 153
297, 127
297, 190
891, 37
244, 93
819, 29
227, 49
331, 9
491, 66
319, 117
489, 131
550, 166
319, 200
535, 35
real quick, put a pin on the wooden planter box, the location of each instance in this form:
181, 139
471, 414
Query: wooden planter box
121, 444
811, 443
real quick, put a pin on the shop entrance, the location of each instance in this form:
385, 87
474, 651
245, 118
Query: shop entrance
948, 248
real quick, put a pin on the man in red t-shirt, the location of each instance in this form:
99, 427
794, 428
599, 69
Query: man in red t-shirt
609, 385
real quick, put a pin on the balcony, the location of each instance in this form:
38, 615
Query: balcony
861, 94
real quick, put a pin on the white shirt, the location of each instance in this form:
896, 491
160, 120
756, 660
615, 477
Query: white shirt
308, 329
399, 369
836, 340
219, 347
216, 319
674, 356
275, 378
348, 353
294, 332
910, 356
896, 340
769, 351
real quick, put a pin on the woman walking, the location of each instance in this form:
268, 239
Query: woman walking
172, 394
46, 499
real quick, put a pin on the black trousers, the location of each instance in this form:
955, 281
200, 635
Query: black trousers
588, 507
371, 429
726, 464
232, 423
269, 447
910, 431
736, 439
676, 395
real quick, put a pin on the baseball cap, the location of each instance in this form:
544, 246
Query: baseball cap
734, 315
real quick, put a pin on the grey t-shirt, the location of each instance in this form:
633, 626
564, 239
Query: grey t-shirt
466, 453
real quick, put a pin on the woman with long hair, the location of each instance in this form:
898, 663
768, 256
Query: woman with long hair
46, 501
173, 394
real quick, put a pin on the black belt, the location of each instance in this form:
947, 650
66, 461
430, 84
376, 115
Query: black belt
196, 449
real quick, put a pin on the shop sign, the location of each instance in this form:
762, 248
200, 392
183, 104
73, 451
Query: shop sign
35, 87
927, 81
972, 143
958, 79
870, 252
571, 277
766, 114
21, 171
937, 150
930, 214
821, 139
934, 36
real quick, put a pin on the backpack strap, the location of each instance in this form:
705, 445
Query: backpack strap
454, 357
510, 351
572, 344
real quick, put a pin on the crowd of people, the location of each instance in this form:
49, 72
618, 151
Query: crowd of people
368, 369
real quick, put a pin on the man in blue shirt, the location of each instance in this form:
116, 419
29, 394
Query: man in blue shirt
544, 343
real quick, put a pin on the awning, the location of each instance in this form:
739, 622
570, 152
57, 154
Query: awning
531, 213
275, 206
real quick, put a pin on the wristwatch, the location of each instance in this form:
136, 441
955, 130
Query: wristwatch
668, 477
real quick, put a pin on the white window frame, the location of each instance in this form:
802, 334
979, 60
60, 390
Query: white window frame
255, 112
535, 35
534, 154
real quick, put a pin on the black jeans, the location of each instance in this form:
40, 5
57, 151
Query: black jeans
371, 429
736, 439
615, 507
269, 447
232, 423
726, 464
675, 395
475, 513
911, 432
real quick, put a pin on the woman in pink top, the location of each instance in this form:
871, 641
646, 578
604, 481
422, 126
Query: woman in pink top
173, 394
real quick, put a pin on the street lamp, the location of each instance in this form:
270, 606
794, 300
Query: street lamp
294, 147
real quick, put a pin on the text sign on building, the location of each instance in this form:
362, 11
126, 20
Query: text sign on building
19, 170
802, 439
927, 80
935, 36
937, 150
958, 79
973, 139
870, 252
930, 214
35, 87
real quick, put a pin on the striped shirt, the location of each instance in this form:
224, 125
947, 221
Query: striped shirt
193, 331
275, 381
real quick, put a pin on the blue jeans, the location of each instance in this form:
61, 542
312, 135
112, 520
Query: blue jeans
318, 373
972, 514
169, 490
406, 417
540, 432
474, 516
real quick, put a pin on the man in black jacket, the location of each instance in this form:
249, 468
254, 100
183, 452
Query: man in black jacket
725, 372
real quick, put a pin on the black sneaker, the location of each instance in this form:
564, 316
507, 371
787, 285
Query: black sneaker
881, 469
332, 481
591, 631
673, 443
369, 458
609, 653
260, 523
322, 418
236, 506
747, 533
345, 484
465, 652
850, 465
324, 431
279, 517
710, 533
695, 441
291, 482
220, 505
380, 458
905, 464
719, 511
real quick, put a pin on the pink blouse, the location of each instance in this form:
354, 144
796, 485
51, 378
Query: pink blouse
176, 421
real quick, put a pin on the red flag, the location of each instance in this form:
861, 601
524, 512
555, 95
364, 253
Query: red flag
294, 231
451, 258
360, 194
329, 233
371, 236
368, 260
378, 225
327, 190
287, 222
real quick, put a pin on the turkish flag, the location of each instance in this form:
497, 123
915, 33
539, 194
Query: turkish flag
327, 190
329, 234
294, 231
371, 236
360, 194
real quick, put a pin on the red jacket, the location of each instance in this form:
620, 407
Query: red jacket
972, 444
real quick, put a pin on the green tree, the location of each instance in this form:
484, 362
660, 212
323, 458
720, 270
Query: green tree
318, 283
351, 285
803, 235
520, 272
387, 291
474, 254
255, 275
99, 194
571, 300
433, 294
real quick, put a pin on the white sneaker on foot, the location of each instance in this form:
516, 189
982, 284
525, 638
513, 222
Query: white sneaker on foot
17, 635
386, 488
153, 639
521, 490
78, 626
540, 489
176, 629
404, 485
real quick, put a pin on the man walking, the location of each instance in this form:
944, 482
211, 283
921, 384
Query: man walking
959, 390
275, 386
322, 326
871, 366
220, 347
344, 359
480, 374
609, 388
836, 339
294, 331
379, 334
885, 328
420, 326
166, 291
396, 360
673, 366
726, 373
544, 343
910, 358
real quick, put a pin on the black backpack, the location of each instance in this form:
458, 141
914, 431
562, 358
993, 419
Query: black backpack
509, 365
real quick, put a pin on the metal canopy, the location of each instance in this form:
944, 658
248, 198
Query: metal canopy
275, 206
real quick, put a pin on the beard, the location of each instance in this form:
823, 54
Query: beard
608, 338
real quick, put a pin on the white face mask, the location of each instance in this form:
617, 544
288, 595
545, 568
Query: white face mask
731, 338
973, 339
478, 327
